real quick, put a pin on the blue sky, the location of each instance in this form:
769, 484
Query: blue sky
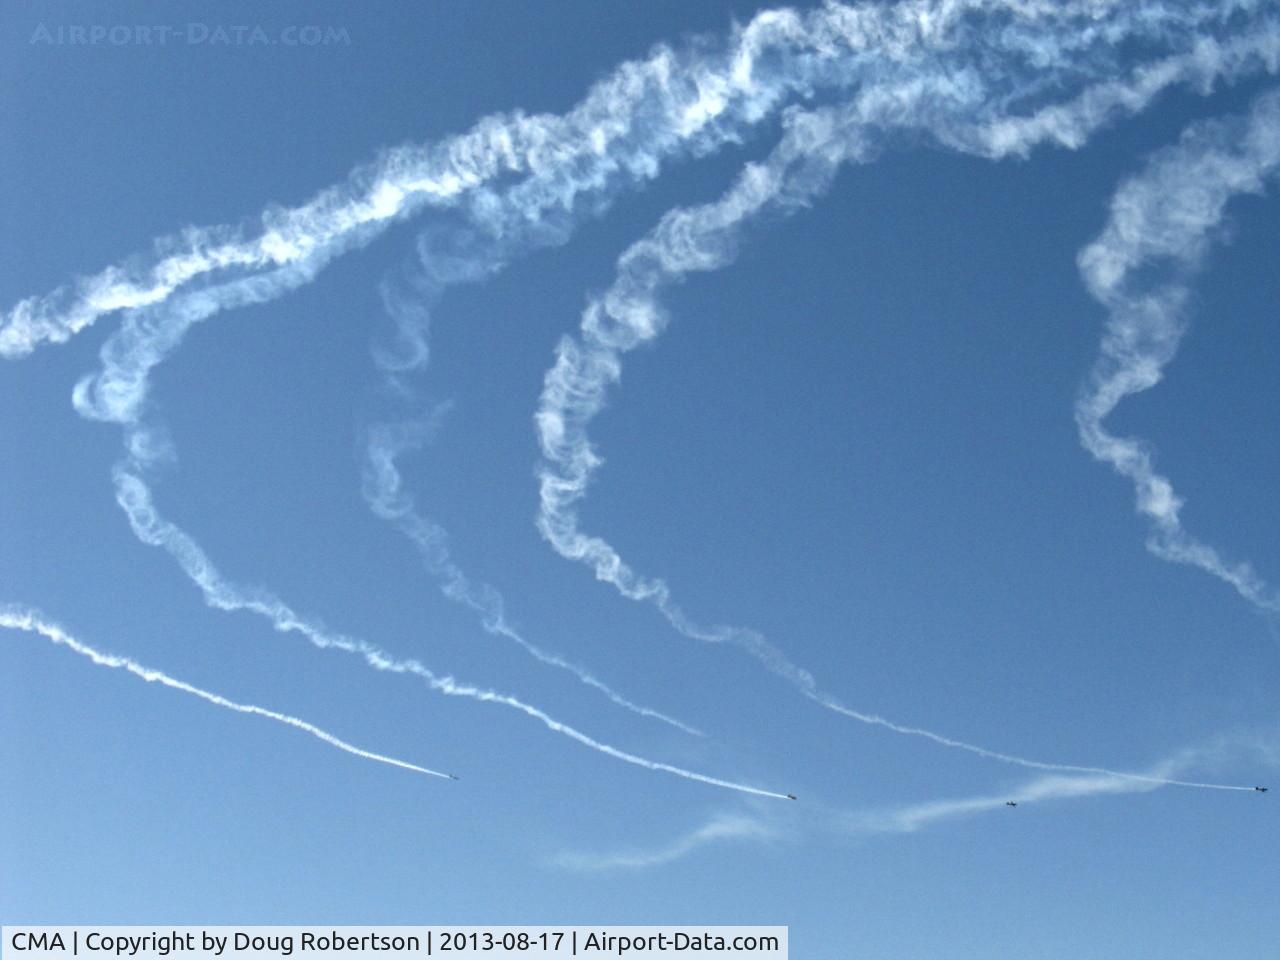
855, 436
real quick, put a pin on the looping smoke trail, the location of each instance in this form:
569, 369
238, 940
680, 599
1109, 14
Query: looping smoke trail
15, 617
701, 239
134, 497
1164, 217
448, 258
383, 492
118, 394
984, 76
677, 102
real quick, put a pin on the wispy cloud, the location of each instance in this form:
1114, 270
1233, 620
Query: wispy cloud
913, 817
721, 828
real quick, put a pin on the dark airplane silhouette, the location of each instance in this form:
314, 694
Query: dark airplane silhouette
791, 796
1010, 803
1261, 789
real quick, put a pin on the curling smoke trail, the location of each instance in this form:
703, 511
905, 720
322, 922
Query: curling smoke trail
1163, 219
990, 55
14, 617
383, 491
815, 143
118, 394
448, 258
119, 391
135, 498
700, 239
628, 314
913, 68
974, 75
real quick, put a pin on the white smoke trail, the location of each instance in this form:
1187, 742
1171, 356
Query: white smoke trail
999, 54
964, 72
383, 491
15, 617
1164, 218
908, 68
914, 816
814, 819
134, 497
814, 144
628, 314
870, 718
448, 258
737, 827
118, 394
703, 238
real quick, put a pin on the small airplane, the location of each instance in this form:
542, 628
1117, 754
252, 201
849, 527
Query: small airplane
791, 796
452, 777
1261, 789
1011, 803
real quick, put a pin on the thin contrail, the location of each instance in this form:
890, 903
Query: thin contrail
384, 493
134, 497
1165, 218
678, 102
870, 718
15, 617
